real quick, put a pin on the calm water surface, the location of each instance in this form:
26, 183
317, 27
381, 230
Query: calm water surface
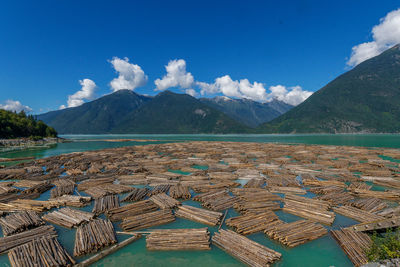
321, 252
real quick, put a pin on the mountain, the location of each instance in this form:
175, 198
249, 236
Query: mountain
364, 99
169, 112
17, 125
95, 117
246, 111
127, 112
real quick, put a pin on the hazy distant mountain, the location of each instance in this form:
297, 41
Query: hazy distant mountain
246, 111
127, 112
95, 117
365, 99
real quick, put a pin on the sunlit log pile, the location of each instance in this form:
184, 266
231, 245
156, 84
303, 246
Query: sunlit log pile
296, 233
244, 249
94, 235
146, 220
68, 217
179, 239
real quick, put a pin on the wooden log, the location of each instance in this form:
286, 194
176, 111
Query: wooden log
357, 214
251, 223
137, 194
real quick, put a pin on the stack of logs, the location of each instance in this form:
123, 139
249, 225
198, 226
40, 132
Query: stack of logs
94, 235
244, 249
357, 214
164, 201
68, 217
252, 223
296, 233
179, 239
354, 244
63, 187
217, 200
180, 191
41, 252
133, 209
146, 220
105, 203
19, 222
137, 194
199, 215
308, 208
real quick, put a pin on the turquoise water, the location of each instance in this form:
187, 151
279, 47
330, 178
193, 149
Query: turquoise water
321, 252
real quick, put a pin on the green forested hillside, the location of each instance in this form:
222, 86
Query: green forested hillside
365, 99
16, 125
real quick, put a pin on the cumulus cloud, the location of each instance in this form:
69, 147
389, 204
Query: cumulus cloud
176, 76
291, 95
130, 76
12, 105
254, 91
191, 92
87, 92
385, 35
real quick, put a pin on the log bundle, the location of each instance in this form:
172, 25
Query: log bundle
244, 249
337, 198
164, 201
146, 220
354, 244
370, 204
136, 194
199, 215
255, 200
252, 223
63, 187
94, 235
41, 252
162, 188
107, 189
19, 222
133, 209
105, 203
179, 239
217, 200
357, 214
393, 195
308, 208
68, 217
15, 240
296, 233
180, 192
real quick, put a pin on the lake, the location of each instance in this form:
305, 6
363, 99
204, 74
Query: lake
321, 252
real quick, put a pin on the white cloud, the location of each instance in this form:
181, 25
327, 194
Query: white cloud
176, 76
130, 76
87, 92
254, 91
385, 35
191, 92
291, 95
12, 105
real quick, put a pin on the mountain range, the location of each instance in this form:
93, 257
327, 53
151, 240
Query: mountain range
362, 100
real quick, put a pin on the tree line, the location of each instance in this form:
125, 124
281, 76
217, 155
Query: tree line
16, 125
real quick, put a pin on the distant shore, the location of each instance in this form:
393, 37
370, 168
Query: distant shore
18, 143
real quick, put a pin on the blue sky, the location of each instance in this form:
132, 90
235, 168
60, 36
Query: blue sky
47, 47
